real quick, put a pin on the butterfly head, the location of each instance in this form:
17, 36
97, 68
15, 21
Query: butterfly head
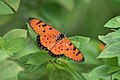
62, 35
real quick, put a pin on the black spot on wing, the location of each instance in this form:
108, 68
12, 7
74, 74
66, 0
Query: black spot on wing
70, 44
67, 49
29, 20
38, 22
78, 53
45, 36
74, 48
43, 31
54, 55
44, 25
50, 28
73, 52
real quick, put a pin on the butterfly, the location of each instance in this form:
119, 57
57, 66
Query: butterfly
56, 43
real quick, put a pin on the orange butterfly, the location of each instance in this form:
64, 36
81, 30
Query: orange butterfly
53, 41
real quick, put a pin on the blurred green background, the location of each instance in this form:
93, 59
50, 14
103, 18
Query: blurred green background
73, 17
78, 17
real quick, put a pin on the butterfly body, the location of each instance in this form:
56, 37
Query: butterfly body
56, 43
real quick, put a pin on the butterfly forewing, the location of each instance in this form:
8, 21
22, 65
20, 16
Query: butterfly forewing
48, 42
41, 27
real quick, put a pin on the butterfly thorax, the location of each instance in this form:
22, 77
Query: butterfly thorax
61, 36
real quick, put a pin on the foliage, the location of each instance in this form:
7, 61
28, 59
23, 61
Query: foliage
36, 61
8, 47
8, 7
86, 18
110, 54
21, 58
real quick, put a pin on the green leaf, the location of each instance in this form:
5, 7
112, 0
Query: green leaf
9, 69
112, 70
116, 76
5, 9
111, 37
2, 42
39, 58
92, 47
113, 23
100, 72
3, 56
34, 76
13, 78
35, 68
111, 62
78, 76
61, 74
30, 48
32, 33
62, 64
80, 41
23, 60
113, 50
119, 60
14, 4
87, 77
14, 45
15, 33
31, 68
66, 66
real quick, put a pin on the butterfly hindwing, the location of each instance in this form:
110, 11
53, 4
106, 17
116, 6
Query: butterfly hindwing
40, 44
47, 42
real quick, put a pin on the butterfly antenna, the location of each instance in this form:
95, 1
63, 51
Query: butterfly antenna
63, 28
64, 31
